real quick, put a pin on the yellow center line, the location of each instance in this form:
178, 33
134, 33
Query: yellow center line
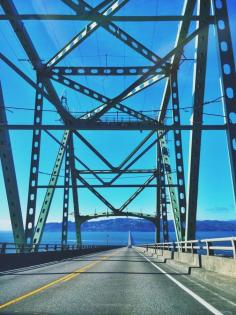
83, 269
72, 275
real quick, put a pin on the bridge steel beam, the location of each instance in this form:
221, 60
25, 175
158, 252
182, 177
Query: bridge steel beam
75, 191
137, 157
99, 71
133, 171
227, 79
183, 29
66, 197
97, 17
98, 112
179, 218
181, 192
34, 164
32, 54
93, 149
122, 126
136, 149
118, 33
95, 192
176, 56
166, 66
137, 192
86, 32
87, 169
158, 195
162, 196
10, 180
106, 185
201, 45
99, 97
179, 227
50, 191
150, 218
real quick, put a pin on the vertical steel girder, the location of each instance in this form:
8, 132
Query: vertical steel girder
75, 192
172, 192
178, 152
187, 12
227, 78
158, 195
183, 29
66, 197
50, 191
196, 134
9, 175
162, 196
34, 165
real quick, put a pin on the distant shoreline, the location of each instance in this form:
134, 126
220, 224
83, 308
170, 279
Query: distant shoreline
137, 225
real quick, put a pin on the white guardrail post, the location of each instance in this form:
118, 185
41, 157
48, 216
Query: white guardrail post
233, 241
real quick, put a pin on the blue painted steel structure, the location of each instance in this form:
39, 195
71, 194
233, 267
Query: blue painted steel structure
182, 204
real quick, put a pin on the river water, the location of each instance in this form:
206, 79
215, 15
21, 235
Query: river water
112, 238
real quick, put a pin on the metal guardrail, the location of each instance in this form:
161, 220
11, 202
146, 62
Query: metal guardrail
213, 246
6, 248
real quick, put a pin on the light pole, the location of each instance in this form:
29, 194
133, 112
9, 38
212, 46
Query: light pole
107, 239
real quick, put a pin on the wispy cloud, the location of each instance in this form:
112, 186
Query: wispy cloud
219, 213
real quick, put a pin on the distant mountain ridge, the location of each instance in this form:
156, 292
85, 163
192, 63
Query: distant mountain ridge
127, 224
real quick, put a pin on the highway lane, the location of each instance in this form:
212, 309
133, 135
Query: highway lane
114, 282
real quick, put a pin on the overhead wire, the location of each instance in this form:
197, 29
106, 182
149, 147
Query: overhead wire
14, 51
104, 178
185, 108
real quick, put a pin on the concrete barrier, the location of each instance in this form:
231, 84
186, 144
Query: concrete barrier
166, 254
192, 260
184, 262
13, 261
219, 272
221, 265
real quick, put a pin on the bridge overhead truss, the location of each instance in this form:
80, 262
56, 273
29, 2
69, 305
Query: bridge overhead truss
172, 191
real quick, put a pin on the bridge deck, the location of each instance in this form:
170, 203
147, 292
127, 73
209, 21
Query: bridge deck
114, 282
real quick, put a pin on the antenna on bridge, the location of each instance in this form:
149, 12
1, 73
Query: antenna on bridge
130, 240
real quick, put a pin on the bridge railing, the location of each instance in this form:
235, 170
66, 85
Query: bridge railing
220, 244
7, 248
225, 246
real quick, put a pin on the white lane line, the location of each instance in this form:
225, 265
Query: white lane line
207, 289
212, 292
187, 290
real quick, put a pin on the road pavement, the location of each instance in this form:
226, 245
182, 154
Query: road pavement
120, 281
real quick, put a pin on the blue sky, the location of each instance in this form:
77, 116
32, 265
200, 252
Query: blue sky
101, 49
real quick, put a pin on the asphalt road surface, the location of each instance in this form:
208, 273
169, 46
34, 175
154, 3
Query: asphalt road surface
120, 281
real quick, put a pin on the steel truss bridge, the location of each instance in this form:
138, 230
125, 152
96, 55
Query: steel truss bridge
171, 189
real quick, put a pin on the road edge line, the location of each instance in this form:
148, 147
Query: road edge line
199, 299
